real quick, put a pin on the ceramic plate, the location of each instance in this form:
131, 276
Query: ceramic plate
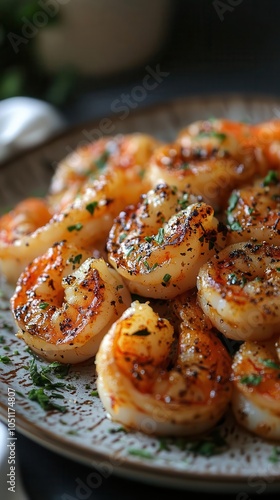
83, 432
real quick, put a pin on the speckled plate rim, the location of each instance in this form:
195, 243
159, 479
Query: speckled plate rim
175, 109
140, 471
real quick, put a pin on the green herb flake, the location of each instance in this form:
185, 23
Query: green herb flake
213, 444
76, 259
122, 237
102, 160
212, 133
275, 455
184, 201
90, 207
140, 453
271, 178
75, 227
149, 239
44, 400
119, 429
270, 363
94, 394
128, 251
5, 359
2, 339
43, 305
235, 226
159, 238
166, 278
232, 202
252, 379
234, 280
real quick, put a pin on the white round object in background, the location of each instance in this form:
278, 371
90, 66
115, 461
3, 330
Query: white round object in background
25, 122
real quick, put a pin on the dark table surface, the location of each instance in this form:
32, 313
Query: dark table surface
213, 48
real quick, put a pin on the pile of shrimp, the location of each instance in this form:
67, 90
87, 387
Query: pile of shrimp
157, 259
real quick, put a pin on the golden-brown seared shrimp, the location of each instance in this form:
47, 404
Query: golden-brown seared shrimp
211, 165
216, 133
23, 220
253, 212
256, 388
65, 301
149, 382
239, 290
159, 245
85, 222
266, 137
130, 151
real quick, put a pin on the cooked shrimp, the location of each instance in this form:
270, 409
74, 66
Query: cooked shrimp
239, 290
85, 222
65, 301
159, 245
149, 382
256, 393
131, 151
253, 212
23, 220
211, 172
216, 133
266, 137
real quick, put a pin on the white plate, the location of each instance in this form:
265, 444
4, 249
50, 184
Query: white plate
84, 433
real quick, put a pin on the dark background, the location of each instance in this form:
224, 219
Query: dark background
207, 51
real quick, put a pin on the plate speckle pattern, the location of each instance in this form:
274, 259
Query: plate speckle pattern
83, 431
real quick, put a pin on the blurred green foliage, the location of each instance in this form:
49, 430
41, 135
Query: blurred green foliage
21, 72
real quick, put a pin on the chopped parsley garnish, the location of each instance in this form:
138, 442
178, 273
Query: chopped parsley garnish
45, 400
147, 265
235, 226
75, 227
43, 305
119, 429
166, 278
271, 178
149, 239
76, 259
94, 394
5, 359
122, 237
270, 363
252, 379
275, 455
209, 446
41, 378
232, 202
102, 160
212, 133
184, 202
91, 207
140, 453
234, 280
128, 251
159, 238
